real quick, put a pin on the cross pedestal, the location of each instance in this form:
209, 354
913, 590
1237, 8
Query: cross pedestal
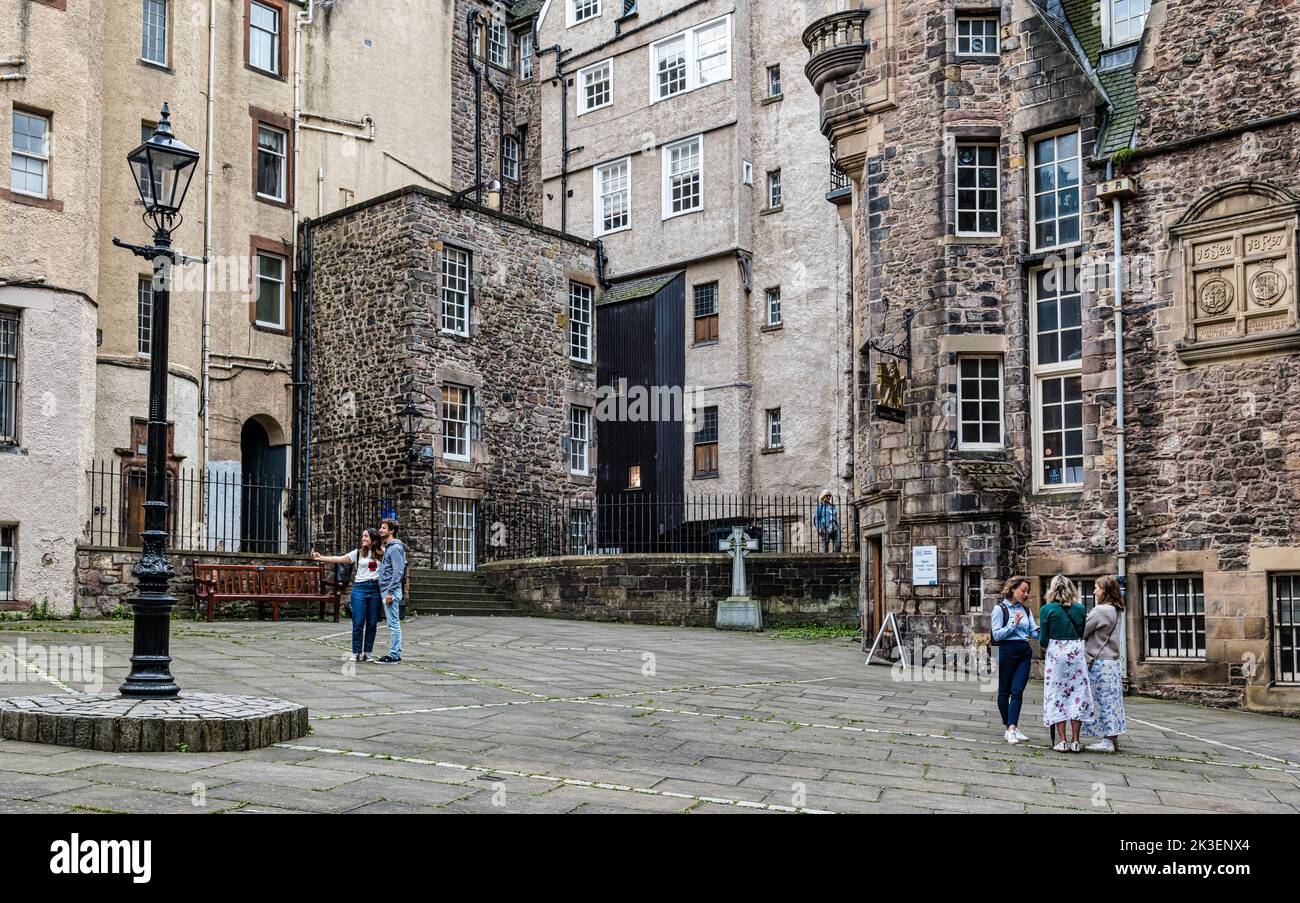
739, 611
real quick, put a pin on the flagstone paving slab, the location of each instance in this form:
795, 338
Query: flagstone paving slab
543, 715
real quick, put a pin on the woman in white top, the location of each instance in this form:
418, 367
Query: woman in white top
365, 559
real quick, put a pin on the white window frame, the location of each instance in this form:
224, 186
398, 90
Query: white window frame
1033, 192
582, 307
276, 63
509, 159
571, 12
455, 299
970, 20
283, 196
1108, 36
1041, 372
665, 158
598, 195
259, 277
43, 157
525, 41
144, 315
1286, 674
747, 172
498, 52
585, 80
958, 209
774, 428
690, 40
165, 29
11, 395
456, 430
579, 440
774, 69
962, 444
773, 294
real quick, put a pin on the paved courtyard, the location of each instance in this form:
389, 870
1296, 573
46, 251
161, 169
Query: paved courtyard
533, 715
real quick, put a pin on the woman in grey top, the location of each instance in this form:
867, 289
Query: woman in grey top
1101, 646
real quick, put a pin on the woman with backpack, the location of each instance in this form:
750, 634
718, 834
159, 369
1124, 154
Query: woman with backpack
365, 560
1010, 627
1101, 646
1067, 692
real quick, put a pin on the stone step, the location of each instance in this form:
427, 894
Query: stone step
469, 612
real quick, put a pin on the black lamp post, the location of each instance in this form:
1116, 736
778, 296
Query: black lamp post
162, 167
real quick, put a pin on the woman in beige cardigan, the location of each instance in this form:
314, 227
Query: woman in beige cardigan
1101, 646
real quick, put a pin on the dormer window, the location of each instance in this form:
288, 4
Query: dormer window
1122, 21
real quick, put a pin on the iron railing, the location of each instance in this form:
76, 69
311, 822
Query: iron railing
631, 523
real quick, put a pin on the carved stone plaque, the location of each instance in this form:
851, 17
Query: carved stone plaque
1215, 295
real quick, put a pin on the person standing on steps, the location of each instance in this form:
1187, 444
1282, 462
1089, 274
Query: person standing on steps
1011, 626
365, 559
391, 572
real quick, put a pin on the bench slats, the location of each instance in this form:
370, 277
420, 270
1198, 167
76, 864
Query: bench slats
275, 584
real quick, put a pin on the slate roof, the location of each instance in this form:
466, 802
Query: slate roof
636, 288
525, 9
1077, 25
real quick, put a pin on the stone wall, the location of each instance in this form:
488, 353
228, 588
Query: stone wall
680, 589
104, 582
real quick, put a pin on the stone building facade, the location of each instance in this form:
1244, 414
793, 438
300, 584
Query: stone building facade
463, 313
995, 148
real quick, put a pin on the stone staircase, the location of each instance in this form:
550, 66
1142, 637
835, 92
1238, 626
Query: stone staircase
461, 593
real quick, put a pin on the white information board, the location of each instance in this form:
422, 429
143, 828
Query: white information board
925, 566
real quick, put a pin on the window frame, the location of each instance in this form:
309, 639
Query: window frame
1108, 41
970, 19
13, 398
631, 469
772, 418
579, 421
770, 294
571, 12
707, 323
1057, 370
463, 298
9, 543
701, 416
774, 70
957, 208
447, 407
598, 196
1275, 641
774, 189
962, 444
583, 106
496, 28
144, 316
43, 157
258, 126
666, 176
280, 46
1148, 580
582, 319
258, 254
165, 62
691, 59
524, 60
1033, 193
512, 174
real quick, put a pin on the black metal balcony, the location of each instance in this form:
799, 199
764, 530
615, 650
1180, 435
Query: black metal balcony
837, 45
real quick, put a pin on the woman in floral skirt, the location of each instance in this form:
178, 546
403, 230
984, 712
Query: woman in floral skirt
1101, 646
1067, 693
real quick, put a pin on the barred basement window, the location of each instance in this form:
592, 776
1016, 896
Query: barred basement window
144, 315
974, 589
977, 36
1174, 611
1286, 628
977, 189
455, 291
8, 562
706, 442
979, 399
706, 313
455, 422
580, 308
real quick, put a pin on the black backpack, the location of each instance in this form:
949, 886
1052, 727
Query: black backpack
1006, 619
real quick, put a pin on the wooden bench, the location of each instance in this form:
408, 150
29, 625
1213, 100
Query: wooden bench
274, 584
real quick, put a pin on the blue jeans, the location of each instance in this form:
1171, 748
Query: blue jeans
1014, 658
394, 615
365, 615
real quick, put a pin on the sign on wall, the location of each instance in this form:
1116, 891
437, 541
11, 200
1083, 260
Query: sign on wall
925, 566
889, 392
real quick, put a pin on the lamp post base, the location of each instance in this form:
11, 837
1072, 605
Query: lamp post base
151, 676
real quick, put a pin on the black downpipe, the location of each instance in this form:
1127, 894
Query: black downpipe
301, 464
564, 131
478, 107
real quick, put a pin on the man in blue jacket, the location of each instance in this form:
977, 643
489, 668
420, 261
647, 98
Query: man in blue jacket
391, 571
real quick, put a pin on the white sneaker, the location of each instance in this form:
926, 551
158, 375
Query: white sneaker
1101, 746
1075, 747
1062, 747
1011, 737
1021, 737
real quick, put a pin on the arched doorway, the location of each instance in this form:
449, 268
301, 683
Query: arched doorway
262, 489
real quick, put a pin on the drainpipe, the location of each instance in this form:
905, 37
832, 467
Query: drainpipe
470, 19
564, 128
1121, 542
206, 353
